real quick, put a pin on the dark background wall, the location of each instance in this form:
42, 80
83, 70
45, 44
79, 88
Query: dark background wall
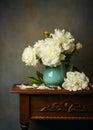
21, 24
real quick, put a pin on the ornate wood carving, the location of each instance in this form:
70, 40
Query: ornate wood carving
65, 107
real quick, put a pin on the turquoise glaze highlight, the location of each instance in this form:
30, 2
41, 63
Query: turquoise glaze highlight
54, 76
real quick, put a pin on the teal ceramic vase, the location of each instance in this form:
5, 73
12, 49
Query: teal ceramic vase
54, 76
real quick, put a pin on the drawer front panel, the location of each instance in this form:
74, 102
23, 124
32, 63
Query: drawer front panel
61, 107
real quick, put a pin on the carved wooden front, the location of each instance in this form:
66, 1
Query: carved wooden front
61, 107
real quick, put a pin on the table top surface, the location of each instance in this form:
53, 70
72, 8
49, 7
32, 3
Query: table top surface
17, 90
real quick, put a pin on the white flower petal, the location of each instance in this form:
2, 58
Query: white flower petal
75, 81
29, 56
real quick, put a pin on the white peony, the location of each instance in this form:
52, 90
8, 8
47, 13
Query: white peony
65, 39
62, 35
29, 56
68, 47
75, 81
50, 53
38, 46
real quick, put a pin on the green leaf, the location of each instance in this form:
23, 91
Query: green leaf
39, 75
33, 80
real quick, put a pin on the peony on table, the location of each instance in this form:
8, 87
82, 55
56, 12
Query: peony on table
75, 81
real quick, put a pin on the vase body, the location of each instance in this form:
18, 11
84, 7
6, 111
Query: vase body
54, 76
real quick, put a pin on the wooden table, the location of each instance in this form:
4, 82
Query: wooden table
53, 105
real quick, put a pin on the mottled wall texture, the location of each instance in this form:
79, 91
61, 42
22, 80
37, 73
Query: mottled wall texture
21, 24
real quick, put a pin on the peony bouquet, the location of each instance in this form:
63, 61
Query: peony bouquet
52, 50
56, 48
